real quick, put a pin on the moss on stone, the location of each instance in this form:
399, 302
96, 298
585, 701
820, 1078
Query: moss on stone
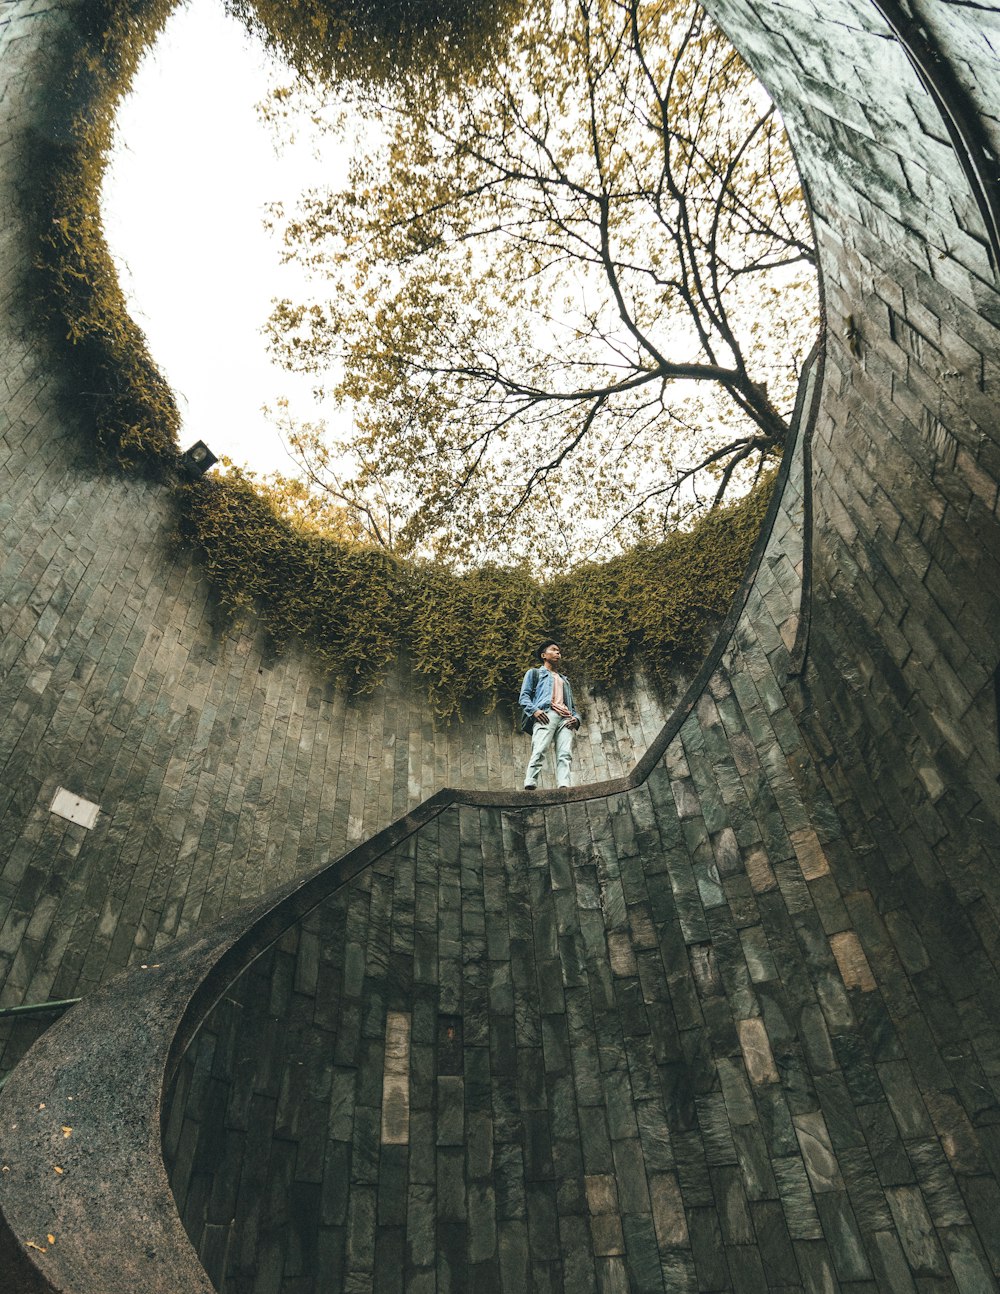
469, 635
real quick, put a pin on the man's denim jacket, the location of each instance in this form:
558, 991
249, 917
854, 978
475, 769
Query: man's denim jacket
541, 697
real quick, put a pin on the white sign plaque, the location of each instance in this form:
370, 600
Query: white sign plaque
74, 808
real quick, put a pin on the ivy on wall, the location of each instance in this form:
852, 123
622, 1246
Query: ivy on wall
374, 40
110, 377
469, 636
472, 635
657, 603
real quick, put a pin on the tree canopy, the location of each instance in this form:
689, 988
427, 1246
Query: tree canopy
466, 632
372, 42
567, 299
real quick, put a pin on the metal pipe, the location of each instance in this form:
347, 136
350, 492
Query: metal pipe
37, 1008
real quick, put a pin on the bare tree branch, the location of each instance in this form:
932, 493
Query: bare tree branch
575, 278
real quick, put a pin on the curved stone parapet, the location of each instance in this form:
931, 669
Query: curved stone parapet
219, 770
84, 1165
726, 1022
83, 1185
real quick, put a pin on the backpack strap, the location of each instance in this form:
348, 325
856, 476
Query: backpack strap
526, 723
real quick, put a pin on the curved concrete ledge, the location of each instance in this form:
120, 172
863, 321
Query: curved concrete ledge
103, 1069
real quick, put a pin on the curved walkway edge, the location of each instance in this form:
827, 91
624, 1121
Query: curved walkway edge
80, 1116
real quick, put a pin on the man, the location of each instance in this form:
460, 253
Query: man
546, 703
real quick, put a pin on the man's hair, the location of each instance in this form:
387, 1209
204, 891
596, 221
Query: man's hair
549, 642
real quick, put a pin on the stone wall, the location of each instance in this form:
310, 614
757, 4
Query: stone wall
491, 1061
220, 771
906, 455
731, 1025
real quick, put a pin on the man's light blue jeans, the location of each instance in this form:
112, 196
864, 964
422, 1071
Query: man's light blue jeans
556, 732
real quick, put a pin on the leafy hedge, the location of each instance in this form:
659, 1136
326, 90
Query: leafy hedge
470, 636
110, 376
658, 603
373, 40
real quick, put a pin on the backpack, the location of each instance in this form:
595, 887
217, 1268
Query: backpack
528, 721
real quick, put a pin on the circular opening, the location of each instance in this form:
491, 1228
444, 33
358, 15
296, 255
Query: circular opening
540, 316
312, 562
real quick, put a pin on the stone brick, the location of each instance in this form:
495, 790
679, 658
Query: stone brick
734, 1028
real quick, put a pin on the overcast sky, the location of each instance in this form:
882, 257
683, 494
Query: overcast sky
192, 170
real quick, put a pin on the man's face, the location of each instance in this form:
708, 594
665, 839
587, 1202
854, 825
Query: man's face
552, 655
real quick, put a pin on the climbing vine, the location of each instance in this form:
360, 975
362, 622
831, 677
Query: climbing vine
375, 40
657, 603
468, 635
110, 377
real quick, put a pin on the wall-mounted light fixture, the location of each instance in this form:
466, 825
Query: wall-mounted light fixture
197, 460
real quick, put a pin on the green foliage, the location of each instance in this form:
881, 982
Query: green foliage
371, 42
656, 604
345, 602
75, 290
356, 607
470, 635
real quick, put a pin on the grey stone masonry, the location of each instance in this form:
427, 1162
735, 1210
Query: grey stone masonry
672, 1039
220, 772
727, 1024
